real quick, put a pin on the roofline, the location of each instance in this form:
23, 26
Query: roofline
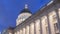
40, 11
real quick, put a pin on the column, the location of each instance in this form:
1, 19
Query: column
49, 28
37, 26
27, 29
59, 19
17, 32
43, 25
48, 22
10, 33
23, 31
32, 28
40, 26
59, 12
51, 24
54, 22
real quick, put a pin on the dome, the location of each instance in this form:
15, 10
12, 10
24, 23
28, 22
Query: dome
26, 11
24, 14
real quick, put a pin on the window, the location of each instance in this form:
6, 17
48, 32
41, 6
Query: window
46, 23
54, 18
56, 28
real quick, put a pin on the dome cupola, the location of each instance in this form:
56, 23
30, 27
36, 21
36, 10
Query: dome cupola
24, 14
26, 10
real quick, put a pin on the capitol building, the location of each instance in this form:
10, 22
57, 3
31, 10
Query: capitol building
45, 21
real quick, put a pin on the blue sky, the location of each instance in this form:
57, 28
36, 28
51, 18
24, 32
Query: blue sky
9, 10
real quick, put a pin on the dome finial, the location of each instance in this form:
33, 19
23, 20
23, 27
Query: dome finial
26, 6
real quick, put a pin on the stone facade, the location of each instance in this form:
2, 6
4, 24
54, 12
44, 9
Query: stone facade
45, 21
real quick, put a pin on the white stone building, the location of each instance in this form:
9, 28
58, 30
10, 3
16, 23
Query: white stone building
44, 21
